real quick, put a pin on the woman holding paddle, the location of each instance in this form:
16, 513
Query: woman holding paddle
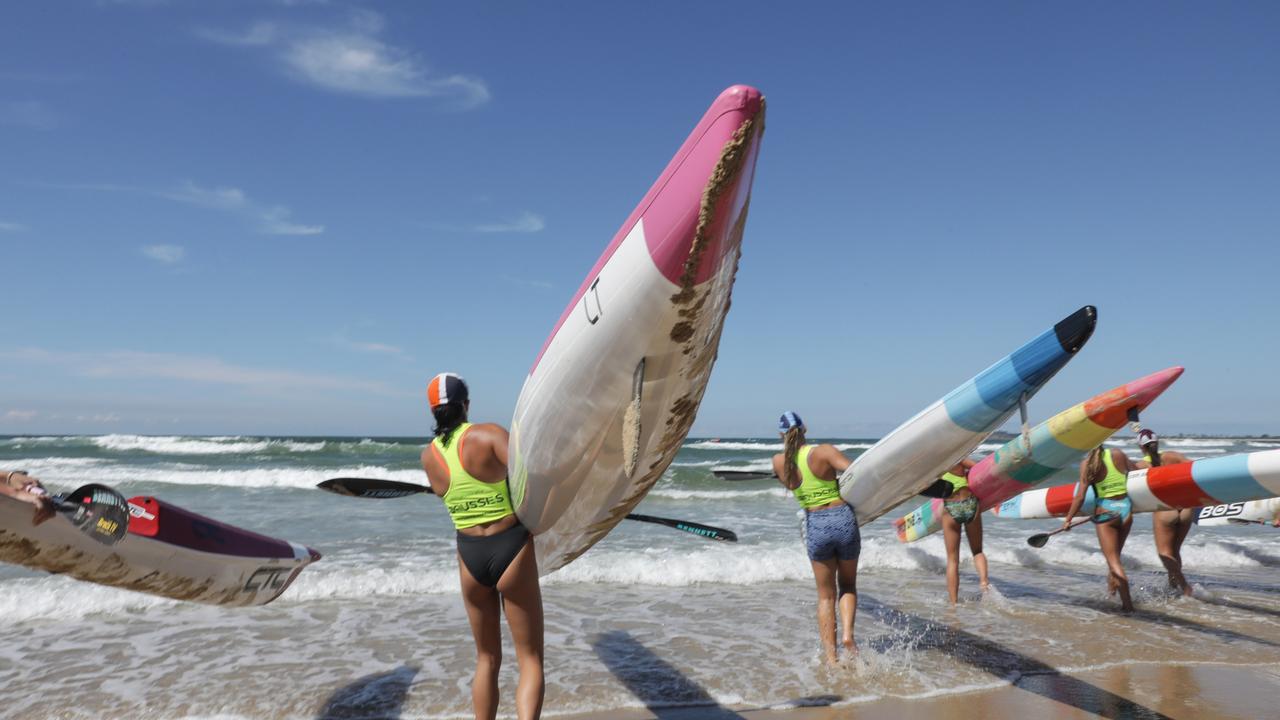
1106, 471
467, 467
830, 528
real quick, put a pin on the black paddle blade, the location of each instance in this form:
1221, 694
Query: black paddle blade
1038, 541
371, 488
743, 474
705, 531
98, 511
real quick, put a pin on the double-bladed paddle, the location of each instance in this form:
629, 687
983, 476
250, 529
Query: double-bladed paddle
377, 488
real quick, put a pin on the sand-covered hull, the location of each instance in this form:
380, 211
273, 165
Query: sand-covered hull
614, 391
183, 555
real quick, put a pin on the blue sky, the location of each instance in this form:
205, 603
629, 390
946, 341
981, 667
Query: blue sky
283, 217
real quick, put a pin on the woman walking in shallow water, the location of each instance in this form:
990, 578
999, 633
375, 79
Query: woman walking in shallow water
467, 467
1169, 527
1106, 471
830, 529
963, 514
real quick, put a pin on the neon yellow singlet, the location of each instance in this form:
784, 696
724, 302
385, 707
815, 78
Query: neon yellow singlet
813, 490
470, 501
1149, 460
1115, 482
957, 481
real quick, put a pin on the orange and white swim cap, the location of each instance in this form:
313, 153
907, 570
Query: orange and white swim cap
446, 388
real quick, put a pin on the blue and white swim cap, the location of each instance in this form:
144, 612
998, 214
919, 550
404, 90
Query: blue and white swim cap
789, 420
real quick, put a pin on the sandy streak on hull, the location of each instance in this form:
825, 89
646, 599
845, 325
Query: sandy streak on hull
148, 565
572, 487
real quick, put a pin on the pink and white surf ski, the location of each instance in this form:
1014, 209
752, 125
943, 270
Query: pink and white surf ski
614, 390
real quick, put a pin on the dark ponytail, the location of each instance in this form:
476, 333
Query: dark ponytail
449, 417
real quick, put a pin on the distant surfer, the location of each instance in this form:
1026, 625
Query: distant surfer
830, 529
467, 467
1106, 471
1170, 527
21, 486
962, 511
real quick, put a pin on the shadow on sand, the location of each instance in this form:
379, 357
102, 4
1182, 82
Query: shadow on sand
663, 689
983, 654
1144, 612
373, 697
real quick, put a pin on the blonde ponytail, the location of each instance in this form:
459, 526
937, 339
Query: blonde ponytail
1095, 466
792, 442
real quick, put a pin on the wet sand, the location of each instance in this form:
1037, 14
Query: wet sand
1123, 692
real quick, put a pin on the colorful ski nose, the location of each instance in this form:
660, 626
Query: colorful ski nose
1057, 443
994, 392
1208, 481
686, 246
918, 451
716, 163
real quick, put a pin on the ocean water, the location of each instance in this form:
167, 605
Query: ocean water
649, 617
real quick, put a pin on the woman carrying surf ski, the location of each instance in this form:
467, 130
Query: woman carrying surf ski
831, 532
467, 467
962, 512
1106, 471
1170, 527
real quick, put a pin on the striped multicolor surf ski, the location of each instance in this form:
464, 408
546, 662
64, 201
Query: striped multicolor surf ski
1254, 511
1208, 481
908, 459
1057, 443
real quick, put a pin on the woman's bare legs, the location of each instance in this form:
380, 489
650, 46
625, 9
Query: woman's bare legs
1111, 539
824, 574
484, 614
973, 531
847, 581
522, 601
951, 538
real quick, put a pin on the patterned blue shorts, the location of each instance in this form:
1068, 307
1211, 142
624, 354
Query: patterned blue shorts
1109, 509
832, 532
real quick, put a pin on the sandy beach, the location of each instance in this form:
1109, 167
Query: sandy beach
1144, 690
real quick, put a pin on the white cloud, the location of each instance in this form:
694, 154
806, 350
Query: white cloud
267, 219
20, 415
353, 60
11, 227
168, 254
102, 418
366, 347
190, 368
272, 220
259, 34
526, 223
30, 114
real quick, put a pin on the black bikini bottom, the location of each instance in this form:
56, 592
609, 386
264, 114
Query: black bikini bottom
488, 556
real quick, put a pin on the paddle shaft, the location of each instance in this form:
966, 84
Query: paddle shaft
1044, 537
376, 488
